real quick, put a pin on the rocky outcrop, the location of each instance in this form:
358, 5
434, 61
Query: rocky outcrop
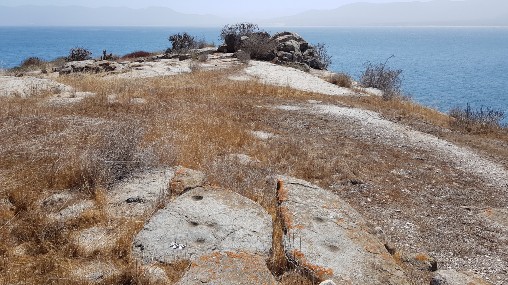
292, 48
452, 277
91, 66
203, 221
285, 48
327, 237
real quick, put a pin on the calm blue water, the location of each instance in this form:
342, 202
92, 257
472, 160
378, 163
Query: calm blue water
443, 67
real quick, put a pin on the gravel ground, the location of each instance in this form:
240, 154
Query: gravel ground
399, 135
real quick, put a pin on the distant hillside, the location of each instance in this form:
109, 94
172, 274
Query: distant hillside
433, 13
82, 16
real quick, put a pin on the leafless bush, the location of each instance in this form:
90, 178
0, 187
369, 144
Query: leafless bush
105, 156
341, 79
322, 55
32, 62
380, 76
480, 120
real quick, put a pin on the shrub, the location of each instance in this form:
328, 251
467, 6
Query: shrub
232, 34
481, 120
136, 54
341, 79
380, 76
79, 54
260, 46
322, 55
32, 62
182, 43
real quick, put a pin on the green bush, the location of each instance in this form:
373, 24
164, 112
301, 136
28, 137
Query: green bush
182, 43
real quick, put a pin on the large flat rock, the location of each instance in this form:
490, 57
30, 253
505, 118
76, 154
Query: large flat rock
328, 237
226, 268
203, 221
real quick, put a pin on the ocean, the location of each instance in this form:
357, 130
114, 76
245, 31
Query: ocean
443, 67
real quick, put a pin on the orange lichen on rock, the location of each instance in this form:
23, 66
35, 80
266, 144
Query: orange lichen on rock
282, 193
319, 271
287, 218
299, 227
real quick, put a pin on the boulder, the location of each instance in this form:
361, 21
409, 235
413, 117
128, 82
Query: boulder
327, 237
292, 48
282, 48
139, 195
228, 268
452, 277
203, 221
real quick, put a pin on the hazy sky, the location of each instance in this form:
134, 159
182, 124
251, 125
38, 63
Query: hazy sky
225, 8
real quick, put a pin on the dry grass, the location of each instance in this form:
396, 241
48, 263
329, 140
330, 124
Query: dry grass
341, 79
195, 120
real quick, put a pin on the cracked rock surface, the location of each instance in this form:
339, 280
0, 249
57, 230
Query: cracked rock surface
202, 221
327, 236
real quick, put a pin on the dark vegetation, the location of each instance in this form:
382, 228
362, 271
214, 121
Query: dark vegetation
232, 34
323, 55
79, 54
137, 54
182, 43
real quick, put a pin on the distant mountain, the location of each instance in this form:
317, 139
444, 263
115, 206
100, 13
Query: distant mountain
109, 16
433, 13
